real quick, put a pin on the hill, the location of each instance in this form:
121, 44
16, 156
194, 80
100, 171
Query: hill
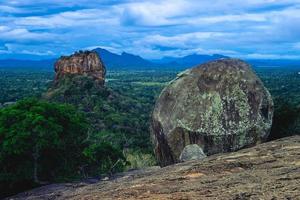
125, 60
189, 60
274, 62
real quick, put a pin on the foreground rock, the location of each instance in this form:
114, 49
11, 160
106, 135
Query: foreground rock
81, 63
221, 106
266, 171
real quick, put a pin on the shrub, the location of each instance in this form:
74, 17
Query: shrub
138, 159
104, 158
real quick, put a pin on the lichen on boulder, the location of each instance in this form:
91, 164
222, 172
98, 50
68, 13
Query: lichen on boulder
191, 152
221, 106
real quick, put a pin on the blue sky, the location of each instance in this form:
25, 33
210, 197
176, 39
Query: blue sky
267, 29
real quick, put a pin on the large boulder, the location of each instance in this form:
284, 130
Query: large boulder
81, 63
221, 106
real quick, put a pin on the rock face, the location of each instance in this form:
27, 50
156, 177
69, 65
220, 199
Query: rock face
81, 63
221, 106
266, 171
191, 152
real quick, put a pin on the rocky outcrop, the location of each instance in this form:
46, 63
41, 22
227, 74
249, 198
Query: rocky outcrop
81, 63
221, 106
79, 80
266, 171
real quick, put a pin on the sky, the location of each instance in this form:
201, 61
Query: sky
250, 29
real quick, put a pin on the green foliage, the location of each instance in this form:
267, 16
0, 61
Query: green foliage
47, 142
40, 141
119, 115
103, 158
16, 84
283, 83
138, 159
120, 109
286, 120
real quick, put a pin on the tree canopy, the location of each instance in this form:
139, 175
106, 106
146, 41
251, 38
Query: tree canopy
45, 142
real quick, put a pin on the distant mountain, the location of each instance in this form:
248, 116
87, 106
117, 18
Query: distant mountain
190, 60
165, 60
130, 61
111, 60
274, 62
125, 60
195, 59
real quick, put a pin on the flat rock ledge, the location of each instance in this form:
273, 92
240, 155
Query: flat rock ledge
266, 171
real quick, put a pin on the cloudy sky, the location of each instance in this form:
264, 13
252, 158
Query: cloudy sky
239, 28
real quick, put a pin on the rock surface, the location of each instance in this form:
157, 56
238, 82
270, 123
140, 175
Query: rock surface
191, 152
222, 106
81, 63
266, 171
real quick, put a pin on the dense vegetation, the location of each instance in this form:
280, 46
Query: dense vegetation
115, 117
44, 142
284, 85
16, 84
119, 115
128, 118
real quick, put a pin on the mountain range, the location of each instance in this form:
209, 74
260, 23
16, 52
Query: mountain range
125, 60
130, 61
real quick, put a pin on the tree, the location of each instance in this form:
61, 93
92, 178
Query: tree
286, 120
40, 141
48, 142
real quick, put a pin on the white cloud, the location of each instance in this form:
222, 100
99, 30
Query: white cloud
87, 17
228, 18
270, 56
181, 40
21, 34
4, 51
297, 45
9, 9
253, 28
155, 13
167, 12
38, 53
4, 28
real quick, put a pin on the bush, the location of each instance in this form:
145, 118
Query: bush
104, 158
138, 159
